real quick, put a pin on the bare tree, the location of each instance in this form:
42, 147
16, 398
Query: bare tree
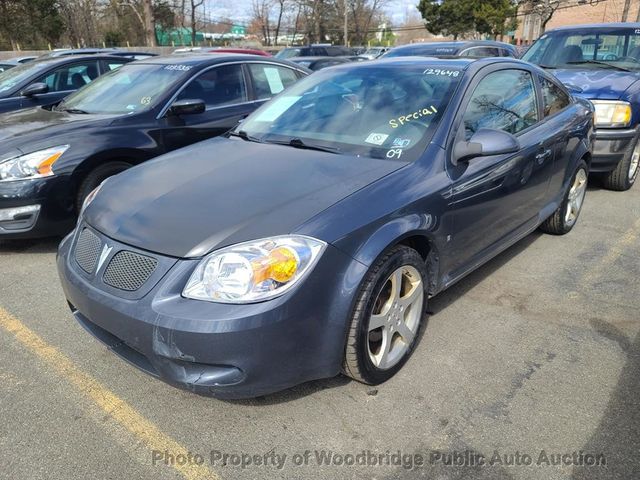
195, 4
543, 8
145, 18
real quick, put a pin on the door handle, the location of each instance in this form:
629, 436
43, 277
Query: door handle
542, 156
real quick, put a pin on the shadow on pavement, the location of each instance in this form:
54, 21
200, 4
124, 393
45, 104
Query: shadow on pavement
39, 245
618, 434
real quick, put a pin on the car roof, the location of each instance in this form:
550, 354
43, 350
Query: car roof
458, 44
463, 63
319, 57
71, 58
596, 26
196, 59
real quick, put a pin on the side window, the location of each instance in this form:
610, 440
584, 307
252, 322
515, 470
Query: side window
71, 77
480, 52
218, 87
108, 65
503, 100
269, 80
553, 96
505, 53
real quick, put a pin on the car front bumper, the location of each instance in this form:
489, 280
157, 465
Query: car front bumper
221, 350
51, 212
611, 146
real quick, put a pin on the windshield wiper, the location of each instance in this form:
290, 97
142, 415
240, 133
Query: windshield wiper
597, 62
299, 143
244, 136
72, 110
547, 67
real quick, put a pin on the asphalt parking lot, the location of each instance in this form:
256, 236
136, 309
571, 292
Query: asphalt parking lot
539, 350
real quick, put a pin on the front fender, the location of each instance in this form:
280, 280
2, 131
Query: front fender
391, 233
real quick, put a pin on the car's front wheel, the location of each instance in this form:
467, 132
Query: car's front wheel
566, 216
626, 173
387, 317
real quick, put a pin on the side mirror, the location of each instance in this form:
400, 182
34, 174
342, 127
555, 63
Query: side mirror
484, 143
35, 89
187, 106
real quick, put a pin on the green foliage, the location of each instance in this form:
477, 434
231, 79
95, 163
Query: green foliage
457, 17
30, 22
113, 38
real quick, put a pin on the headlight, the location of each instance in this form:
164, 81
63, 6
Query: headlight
612, 113
254, 271
32, 165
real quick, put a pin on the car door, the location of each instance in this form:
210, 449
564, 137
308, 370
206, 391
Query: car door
561, 127
224, 90
63, 81
494, 199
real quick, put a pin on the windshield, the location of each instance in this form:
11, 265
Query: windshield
288, 53
421, 50
17, 75
129, 89
379, 111
614, 49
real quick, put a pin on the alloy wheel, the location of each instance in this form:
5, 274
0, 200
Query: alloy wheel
576, 197
635, 162
396, 317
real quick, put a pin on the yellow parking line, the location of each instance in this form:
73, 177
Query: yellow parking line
103, 398
618, 248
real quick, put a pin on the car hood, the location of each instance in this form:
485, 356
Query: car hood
596, 84
224, 191
25, 126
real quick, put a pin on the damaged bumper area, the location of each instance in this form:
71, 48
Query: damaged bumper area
221, 350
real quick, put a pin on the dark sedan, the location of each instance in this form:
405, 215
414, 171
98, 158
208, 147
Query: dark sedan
52, 157
472, 48
44, 82
309, 240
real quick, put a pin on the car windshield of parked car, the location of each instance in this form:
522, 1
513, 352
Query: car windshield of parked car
129, 89
17, 75
377, 110
617, 49
421, 51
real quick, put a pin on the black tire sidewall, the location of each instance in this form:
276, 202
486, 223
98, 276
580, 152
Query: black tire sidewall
372, 288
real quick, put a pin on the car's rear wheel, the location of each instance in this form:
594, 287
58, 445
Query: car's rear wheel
626, 173
95, 177
387, 318
566, 216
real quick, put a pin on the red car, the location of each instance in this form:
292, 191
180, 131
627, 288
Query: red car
248, 51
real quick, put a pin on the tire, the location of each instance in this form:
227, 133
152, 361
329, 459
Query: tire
365, 348
96, 177
626, 172
562, 221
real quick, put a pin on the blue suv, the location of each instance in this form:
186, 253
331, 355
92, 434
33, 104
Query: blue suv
601, 62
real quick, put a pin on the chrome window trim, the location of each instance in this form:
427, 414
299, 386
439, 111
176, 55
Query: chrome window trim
173, 98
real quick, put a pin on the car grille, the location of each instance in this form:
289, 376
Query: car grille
87, 250
129, 271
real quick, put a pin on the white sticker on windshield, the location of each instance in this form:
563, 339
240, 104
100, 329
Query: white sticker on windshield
376, 138
273, 77
181, 68
276, 108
